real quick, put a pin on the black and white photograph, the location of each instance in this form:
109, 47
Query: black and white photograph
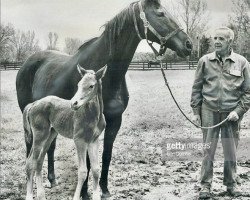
125, 99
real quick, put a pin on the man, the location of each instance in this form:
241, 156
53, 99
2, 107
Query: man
221, 89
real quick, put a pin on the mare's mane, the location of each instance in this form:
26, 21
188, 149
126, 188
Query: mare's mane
113, 27
116, 25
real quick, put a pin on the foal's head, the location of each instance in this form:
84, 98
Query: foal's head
87, 86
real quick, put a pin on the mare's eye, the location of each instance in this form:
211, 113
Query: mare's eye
92, 86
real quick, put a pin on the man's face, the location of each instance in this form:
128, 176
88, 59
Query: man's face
221, 41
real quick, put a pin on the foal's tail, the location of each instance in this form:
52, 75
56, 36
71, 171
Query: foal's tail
28, 135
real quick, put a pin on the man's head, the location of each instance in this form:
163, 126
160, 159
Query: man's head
223, 39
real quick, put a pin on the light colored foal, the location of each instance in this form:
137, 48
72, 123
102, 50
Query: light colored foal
80, 118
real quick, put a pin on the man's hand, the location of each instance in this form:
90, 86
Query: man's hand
233, 116
197, 119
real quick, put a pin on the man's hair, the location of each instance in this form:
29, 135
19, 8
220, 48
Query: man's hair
229, 32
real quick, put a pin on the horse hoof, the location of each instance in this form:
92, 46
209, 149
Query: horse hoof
106, 195
53, 184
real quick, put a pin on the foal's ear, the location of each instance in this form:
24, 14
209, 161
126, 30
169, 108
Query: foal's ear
81, 70
101, 72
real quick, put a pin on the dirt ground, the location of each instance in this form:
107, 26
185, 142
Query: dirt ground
142, 167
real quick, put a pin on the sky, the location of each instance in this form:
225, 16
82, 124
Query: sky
82, 19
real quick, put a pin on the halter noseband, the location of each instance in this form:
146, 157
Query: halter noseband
147, 25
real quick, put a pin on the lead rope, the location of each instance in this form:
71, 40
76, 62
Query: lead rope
198, 126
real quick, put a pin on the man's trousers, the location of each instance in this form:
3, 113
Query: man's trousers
229, 137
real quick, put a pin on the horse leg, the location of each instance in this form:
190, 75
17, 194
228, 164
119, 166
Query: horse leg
30, 174
32, 166
112, 127
81, 147
51, 170
84, 191
28, 135
28, 147
93, 156
39, 177
44, 148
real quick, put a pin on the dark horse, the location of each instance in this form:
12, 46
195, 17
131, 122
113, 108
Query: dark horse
53, 73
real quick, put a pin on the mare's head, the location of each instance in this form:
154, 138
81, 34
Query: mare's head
157, 25
87, 86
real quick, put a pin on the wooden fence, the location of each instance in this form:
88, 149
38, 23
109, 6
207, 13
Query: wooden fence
10, 66
184, 65
133, 65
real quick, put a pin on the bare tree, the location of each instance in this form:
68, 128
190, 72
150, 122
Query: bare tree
193, 16
6, 33
241, 15
24, 44
52, 41
240, 22
72, 45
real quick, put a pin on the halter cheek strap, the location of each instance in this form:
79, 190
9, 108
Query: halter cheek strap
135, 23
147, 25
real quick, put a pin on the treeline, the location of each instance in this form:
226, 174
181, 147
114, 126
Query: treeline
17, 45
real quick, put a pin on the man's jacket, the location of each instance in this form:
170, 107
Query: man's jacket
222, 87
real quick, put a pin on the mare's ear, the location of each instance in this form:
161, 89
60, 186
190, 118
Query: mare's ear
81, 70
101, 72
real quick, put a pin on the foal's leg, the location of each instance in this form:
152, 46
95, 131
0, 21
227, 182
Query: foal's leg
51, 170
45, 144
81, 147
30, 174
28, 144
28, 135
29, 163
33, 165
94, 161
39, 178
84, 191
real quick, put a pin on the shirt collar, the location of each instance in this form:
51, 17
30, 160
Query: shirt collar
231, 57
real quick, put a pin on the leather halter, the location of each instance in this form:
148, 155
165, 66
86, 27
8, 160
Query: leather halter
147, 25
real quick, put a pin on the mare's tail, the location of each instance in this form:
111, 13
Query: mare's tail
25, 79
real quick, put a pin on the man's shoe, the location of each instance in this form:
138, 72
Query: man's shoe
204, 193
234, 191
